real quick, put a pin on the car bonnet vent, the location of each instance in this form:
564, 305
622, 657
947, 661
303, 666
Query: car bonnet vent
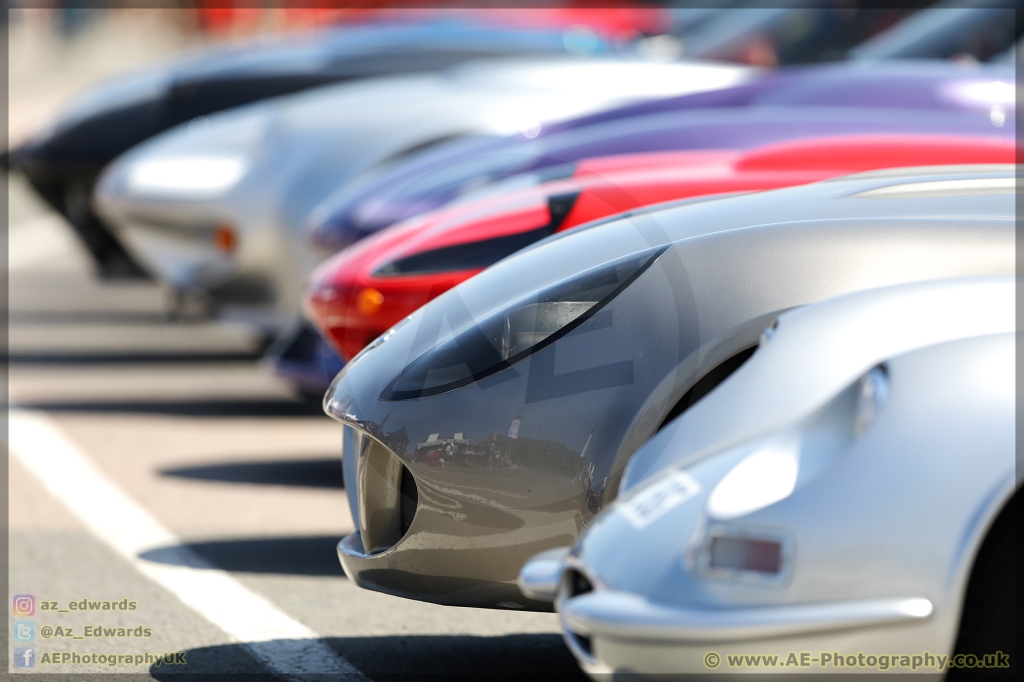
479, 254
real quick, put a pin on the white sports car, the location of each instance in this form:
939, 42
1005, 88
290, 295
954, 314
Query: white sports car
219, 205
842, 503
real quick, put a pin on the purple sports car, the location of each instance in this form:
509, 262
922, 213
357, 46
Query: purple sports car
923, 97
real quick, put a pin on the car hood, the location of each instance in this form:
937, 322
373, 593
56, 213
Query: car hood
563, 255
306, 144
811, 354
432, 179
692, 286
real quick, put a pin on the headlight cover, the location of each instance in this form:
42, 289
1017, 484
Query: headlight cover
517, 331
197, 175
762, 478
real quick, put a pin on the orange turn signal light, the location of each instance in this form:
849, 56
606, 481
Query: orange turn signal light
224, 238
369, 301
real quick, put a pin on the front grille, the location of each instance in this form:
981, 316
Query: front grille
409, 499
581, 642
575, 584
387, 496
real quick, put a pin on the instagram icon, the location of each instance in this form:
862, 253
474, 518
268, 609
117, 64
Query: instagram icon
24, 605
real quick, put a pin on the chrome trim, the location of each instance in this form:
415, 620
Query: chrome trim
572, 640
621, 615
352, 545
540, 577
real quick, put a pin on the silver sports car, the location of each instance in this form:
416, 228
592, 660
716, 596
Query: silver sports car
494, 422
839, 504
219, 205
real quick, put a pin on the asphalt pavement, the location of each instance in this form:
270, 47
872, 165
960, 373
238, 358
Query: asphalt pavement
153, 463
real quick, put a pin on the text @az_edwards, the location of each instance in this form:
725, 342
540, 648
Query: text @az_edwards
835, 660
74, 605
94, 632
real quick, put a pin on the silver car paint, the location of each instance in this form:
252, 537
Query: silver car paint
732, 266
882, 527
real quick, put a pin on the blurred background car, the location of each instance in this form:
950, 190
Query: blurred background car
787, 104
842, 435
219, 208
63, 160
366, 289
566, 357
381, 42
972, 31
907, 97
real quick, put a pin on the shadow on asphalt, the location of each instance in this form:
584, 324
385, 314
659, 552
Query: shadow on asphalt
305, 555
126, 358
423, 657
57, 317
232, 407
303, 473
229, 663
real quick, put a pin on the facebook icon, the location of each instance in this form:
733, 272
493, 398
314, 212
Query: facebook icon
24, 657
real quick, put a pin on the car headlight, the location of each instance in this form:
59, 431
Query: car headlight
514, 333
202, 175
762, 478
777, 466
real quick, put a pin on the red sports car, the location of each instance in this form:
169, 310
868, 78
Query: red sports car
365, 289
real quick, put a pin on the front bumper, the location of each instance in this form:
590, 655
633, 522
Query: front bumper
508, 466
621, 615
257, 278
181, 252
409, 580
611, 632
422, 535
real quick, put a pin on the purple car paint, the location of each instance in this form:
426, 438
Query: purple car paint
922, 97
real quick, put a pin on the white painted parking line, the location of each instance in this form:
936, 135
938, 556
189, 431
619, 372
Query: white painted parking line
284, 645
38, 240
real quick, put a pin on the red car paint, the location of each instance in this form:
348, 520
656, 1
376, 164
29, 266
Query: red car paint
362, 291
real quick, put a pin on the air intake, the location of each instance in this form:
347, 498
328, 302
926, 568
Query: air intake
387, 497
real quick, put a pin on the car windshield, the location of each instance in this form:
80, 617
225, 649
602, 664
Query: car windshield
439, 187
949, 30
793, 35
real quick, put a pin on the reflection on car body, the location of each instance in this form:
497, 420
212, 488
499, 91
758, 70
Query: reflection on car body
258, 170
364, 290
831, 99
678, 293
737, 526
